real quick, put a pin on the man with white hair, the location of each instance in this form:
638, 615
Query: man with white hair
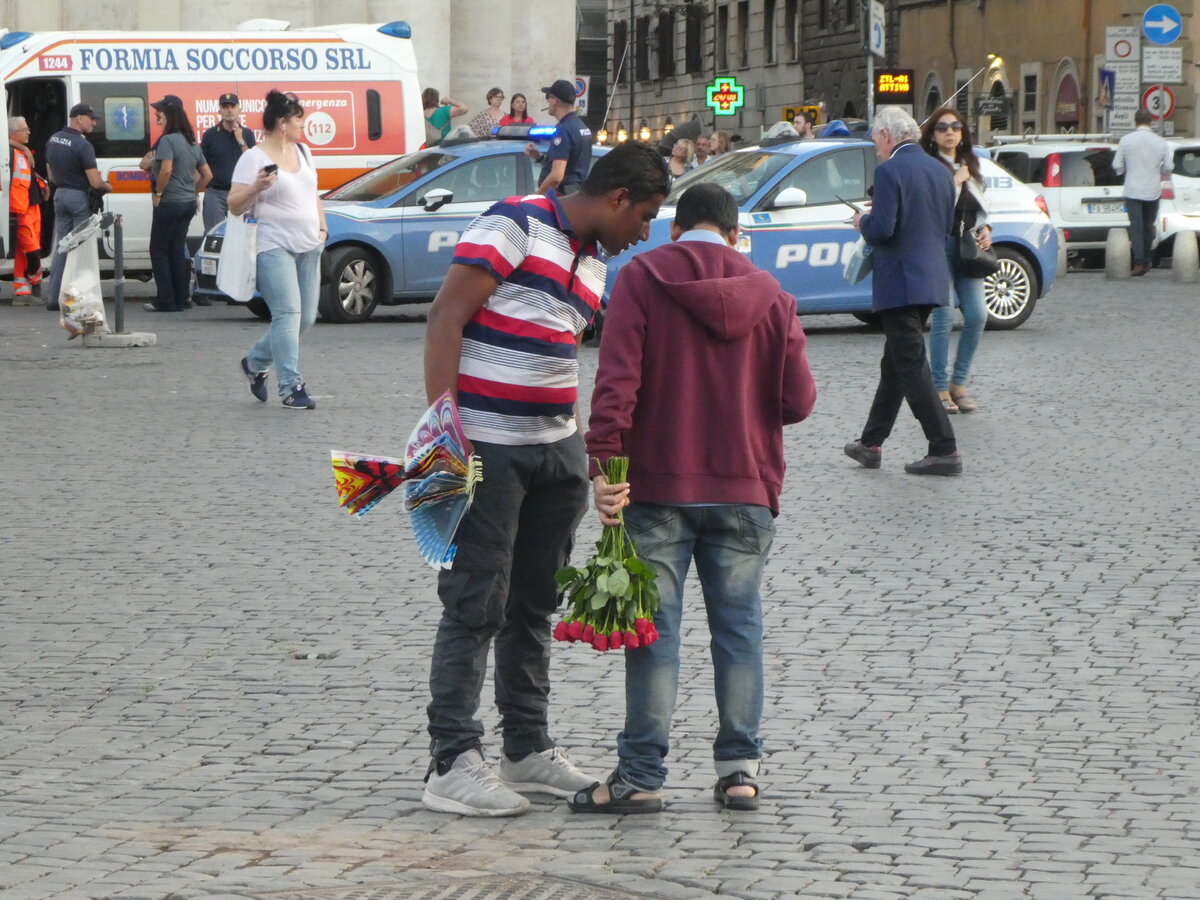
910, 221
27, 192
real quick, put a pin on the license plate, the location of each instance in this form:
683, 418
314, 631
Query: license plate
1111, 207
208, 267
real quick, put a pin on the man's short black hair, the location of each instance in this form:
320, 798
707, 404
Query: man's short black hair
1143, 117
631, 165
707, 204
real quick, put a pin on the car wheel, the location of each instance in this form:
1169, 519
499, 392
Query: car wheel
258, 306
354, 288
1012, 292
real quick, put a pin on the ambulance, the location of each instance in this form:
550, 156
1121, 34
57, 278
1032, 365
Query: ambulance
357, 83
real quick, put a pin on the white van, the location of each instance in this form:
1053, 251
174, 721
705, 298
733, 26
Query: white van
358, 85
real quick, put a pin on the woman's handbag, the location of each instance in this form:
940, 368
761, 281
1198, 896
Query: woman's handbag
858, 266
239, 257
973, 260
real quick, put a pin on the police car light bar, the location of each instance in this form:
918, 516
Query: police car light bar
525, 132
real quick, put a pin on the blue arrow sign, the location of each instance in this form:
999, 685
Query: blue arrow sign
1162, 24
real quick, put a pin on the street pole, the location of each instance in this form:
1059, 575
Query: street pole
866, 32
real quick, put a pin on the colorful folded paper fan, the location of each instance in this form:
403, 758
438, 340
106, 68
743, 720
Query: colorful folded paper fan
439, 480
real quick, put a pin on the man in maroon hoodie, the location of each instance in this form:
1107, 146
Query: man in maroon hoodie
701, 366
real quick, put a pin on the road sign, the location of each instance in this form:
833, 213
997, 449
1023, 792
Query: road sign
1122, 43
1161, 105
877, 35
1162, 64
1162, 24
581, 94
894, 86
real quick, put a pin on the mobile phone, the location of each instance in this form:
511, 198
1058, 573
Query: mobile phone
271, 168
853, 206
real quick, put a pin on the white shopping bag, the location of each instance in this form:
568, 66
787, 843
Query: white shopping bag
239, 257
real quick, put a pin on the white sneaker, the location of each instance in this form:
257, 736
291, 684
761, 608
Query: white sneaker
470, 788
548, 772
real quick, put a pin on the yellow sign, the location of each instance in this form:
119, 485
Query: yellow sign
894, 86
790, 112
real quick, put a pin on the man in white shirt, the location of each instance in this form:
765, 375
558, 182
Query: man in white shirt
1145, 160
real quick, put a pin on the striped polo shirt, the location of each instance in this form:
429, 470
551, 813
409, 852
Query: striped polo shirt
518, 374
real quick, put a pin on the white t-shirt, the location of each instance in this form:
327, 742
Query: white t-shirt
287, 211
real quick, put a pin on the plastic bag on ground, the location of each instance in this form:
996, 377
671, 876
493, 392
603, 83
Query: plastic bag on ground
80, 299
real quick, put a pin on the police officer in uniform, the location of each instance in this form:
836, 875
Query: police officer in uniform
223, 146
566, 163
71, 165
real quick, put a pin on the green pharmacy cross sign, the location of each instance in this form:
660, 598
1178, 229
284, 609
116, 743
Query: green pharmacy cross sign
725, 96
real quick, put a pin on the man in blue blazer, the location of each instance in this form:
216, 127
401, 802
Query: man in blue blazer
909, 223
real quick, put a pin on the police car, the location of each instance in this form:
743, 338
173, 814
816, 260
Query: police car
795, 224
392, 231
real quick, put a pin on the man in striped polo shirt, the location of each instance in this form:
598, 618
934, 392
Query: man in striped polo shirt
502, 336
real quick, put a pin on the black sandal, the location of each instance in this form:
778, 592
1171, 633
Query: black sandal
621, 800
728, 801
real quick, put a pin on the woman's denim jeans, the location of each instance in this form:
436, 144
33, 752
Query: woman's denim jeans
971, 301
289, 283
169, 258
730, 544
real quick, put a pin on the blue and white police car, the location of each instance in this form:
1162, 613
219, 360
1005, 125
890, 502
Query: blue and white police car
392, 231
796, 226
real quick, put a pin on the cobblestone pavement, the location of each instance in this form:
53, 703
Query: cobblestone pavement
212, 681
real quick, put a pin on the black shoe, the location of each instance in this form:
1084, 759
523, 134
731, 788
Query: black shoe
936, 465
299, 399
867, 457
150, 307
258, 382
201, 301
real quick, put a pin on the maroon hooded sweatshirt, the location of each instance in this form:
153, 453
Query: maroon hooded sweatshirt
701, 365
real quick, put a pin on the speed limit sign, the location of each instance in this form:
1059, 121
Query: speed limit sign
1160, 105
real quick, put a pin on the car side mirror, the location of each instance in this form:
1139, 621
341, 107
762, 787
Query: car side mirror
436, 199
791, 197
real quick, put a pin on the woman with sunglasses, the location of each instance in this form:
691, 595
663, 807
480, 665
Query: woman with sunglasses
945, 136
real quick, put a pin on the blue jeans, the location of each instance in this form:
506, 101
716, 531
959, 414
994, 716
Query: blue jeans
730, 544
70, 211
289, 283
1142, 215
168, 253
971, 301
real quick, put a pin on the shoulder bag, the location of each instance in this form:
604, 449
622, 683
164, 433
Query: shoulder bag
973, 261
238, 264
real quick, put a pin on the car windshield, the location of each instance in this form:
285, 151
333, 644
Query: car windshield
742, 174
390, 177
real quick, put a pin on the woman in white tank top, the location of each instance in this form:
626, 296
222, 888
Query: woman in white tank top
276, 183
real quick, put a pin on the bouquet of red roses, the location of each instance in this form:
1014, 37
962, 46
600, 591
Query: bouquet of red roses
613, 598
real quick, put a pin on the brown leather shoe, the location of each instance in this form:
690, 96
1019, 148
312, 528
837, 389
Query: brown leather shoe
1139, 269
964, 401
936, 465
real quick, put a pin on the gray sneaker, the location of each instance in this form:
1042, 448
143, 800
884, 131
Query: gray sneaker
470, 788
548, 772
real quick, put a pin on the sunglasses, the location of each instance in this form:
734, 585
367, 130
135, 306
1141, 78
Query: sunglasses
943, 127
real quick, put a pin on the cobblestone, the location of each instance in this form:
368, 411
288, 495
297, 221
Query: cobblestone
212, 681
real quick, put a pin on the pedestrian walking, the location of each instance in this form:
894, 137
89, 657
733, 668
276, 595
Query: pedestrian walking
946, 137
72, 170
223, 145
490, 116
26, 194
565, 164
502, 336
518, 111
277, 183
438, 113
702, 365
180, 173
1145, 160
908, 227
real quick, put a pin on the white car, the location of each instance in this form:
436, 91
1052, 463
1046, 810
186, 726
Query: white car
1075, 175
1179, 209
